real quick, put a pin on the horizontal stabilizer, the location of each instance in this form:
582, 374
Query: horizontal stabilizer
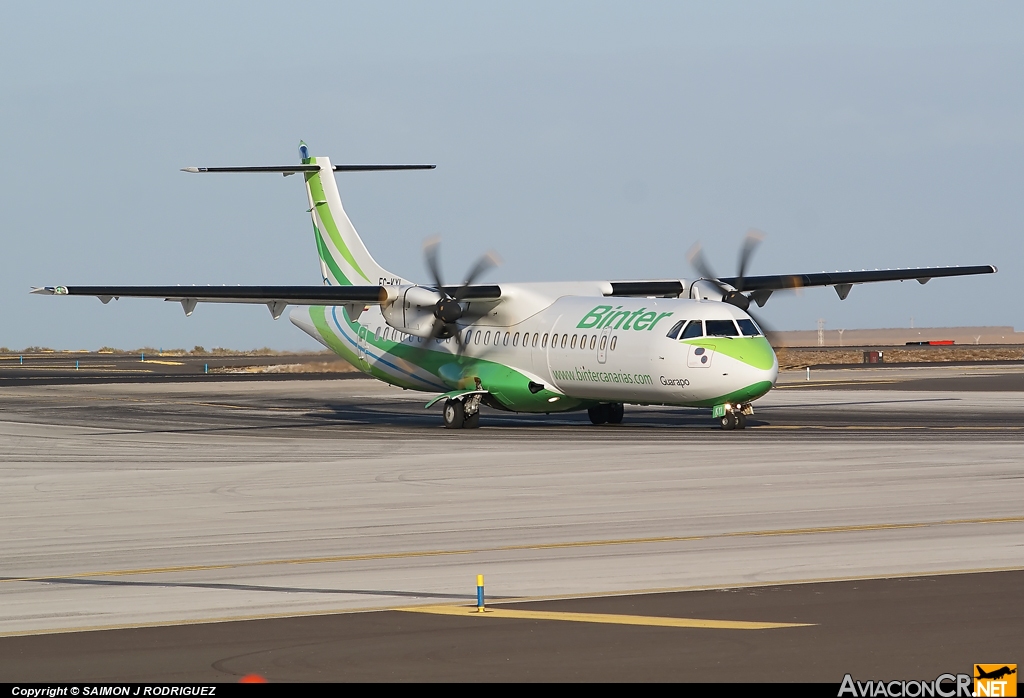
292, 169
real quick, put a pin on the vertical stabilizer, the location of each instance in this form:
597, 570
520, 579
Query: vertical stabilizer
344, 259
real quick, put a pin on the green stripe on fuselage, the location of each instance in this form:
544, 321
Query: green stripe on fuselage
737, 397
510, 387
753, 351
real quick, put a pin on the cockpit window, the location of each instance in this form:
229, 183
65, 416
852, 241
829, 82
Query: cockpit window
721, 328
748, 328
674, 332
694, 329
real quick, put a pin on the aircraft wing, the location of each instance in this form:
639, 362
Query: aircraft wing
840, 278
843, 281
277, 298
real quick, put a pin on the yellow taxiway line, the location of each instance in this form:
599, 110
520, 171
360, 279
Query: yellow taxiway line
608, 618
301, 613
407, 554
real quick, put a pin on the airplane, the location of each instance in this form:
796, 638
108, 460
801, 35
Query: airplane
525, 347
995, 674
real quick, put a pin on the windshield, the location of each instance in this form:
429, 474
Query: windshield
721, 328
748, 328
694, 329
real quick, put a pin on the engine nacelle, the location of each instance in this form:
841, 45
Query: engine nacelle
410, 309
704, 290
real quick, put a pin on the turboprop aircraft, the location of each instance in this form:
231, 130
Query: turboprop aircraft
525, 347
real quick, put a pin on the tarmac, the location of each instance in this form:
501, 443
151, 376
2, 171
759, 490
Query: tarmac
309, 530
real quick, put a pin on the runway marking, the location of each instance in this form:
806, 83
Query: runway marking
303, 613
609, 618
407, 554
825, 384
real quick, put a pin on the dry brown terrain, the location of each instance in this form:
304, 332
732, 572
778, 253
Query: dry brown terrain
801, 357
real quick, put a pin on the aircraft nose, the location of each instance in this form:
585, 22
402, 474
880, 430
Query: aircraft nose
757, 377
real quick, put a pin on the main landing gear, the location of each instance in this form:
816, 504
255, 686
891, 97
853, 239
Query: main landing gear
462, 414
735, 416
608, 413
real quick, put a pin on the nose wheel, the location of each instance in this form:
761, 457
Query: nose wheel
735, 418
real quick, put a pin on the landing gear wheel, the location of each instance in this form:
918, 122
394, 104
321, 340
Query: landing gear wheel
741, 420
472, 421
728, 421
454, 416
615, 412
598, 414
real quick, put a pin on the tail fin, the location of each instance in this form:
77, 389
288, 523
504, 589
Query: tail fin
344, 259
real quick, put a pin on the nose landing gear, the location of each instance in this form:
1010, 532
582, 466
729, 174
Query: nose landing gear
733, 416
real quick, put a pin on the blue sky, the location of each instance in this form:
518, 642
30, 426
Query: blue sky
579, 140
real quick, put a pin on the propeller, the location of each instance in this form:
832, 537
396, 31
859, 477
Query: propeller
734, 296
448, 310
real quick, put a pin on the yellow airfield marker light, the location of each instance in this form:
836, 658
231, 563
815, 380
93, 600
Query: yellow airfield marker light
479, 593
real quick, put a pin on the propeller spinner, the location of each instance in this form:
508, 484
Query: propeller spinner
448, 310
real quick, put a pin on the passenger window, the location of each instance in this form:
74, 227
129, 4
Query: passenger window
535, 338
614, 341
506, 339
487, 337
544, 341
583, 342
674, 332
694, 329
748, 328
376, 335
572, 344
515, 340
469, 336
565, 337
476, 338
721, 328
604, 342
593, 340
